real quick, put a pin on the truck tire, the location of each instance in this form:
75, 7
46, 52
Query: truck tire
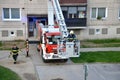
65, 60
44, 60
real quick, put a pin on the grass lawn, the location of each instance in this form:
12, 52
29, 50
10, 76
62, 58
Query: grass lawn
7, 74
6, 45
101, 56
100, 43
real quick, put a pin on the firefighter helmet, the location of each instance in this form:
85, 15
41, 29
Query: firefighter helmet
71, 32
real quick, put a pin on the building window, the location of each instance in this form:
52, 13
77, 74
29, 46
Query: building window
4, 33
72, 15
118, 31
11, 14
65, 12
72, 12
81, 12
104, 30
91, 31
119, 13
98, 13
19, 32
97, 31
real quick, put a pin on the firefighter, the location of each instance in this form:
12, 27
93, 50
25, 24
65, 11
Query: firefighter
14, 53
27, 47
71, 36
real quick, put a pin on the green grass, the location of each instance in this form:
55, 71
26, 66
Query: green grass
100, 43
6, 45
7, 74
0, 43
101, 56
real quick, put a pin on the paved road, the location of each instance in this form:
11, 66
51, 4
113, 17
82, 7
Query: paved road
24, 67
60, 71
71, 71
55, 70
100, 49
103, 72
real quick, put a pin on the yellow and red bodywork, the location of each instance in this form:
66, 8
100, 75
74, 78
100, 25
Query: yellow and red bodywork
51, 48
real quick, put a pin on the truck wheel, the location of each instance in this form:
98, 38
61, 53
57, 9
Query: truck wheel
45, 61
65, 60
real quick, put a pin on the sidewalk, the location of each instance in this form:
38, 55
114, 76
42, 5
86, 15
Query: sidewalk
24, 67
99, 49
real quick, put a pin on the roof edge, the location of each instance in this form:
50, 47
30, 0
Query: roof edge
71, 4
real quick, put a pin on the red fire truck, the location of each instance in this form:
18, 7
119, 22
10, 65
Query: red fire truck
54, 44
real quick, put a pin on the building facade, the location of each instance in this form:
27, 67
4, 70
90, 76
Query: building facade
90, 19
103, 19
75, 14
18, 18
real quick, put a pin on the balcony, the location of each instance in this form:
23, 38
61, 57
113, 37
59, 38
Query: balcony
76, 22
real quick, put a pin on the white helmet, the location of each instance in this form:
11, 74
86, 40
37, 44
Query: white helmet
71, 32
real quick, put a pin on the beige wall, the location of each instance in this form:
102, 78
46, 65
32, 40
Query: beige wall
111, 32
36, 7
111, 23
112, 12
39, 7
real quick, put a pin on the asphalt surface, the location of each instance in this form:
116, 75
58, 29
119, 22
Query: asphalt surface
33, 68
103, 72
72, 71
24, 67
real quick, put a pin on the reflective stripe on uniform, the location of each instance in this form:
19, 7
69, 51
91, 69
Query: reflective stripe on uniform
15, 51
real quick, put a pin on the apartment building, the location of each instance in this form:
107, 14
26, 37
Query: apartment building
75, 14
103, 19
17, 20
18, 17
90, 19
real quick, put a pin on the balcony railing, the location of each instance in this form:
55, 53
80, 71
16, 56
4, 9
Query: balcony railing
76, 22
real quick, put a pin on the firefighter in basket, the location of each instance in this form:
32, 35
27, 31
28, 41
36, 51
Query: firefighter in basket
71, 36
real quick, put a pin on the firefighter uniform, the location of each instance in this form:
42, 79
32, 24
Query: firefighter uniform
14, 53
71, 36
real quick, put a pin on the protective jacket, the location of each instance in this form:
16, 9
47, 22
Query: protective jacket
15, 50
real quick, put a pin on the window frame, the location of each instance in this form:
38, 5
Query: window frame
10, 15
97, 31
73, 14
106, 11
119, 13
83, 10
76, 14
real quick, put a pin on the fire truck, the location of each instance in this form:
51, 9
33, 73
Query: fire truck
54, 42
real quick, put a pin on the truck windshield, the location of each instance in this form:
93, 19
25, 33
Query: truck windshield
53, 40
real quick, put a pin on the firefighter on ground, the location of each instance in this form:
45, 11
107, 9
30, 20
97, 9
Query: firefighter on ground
71, 36
14, 53
27, 47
